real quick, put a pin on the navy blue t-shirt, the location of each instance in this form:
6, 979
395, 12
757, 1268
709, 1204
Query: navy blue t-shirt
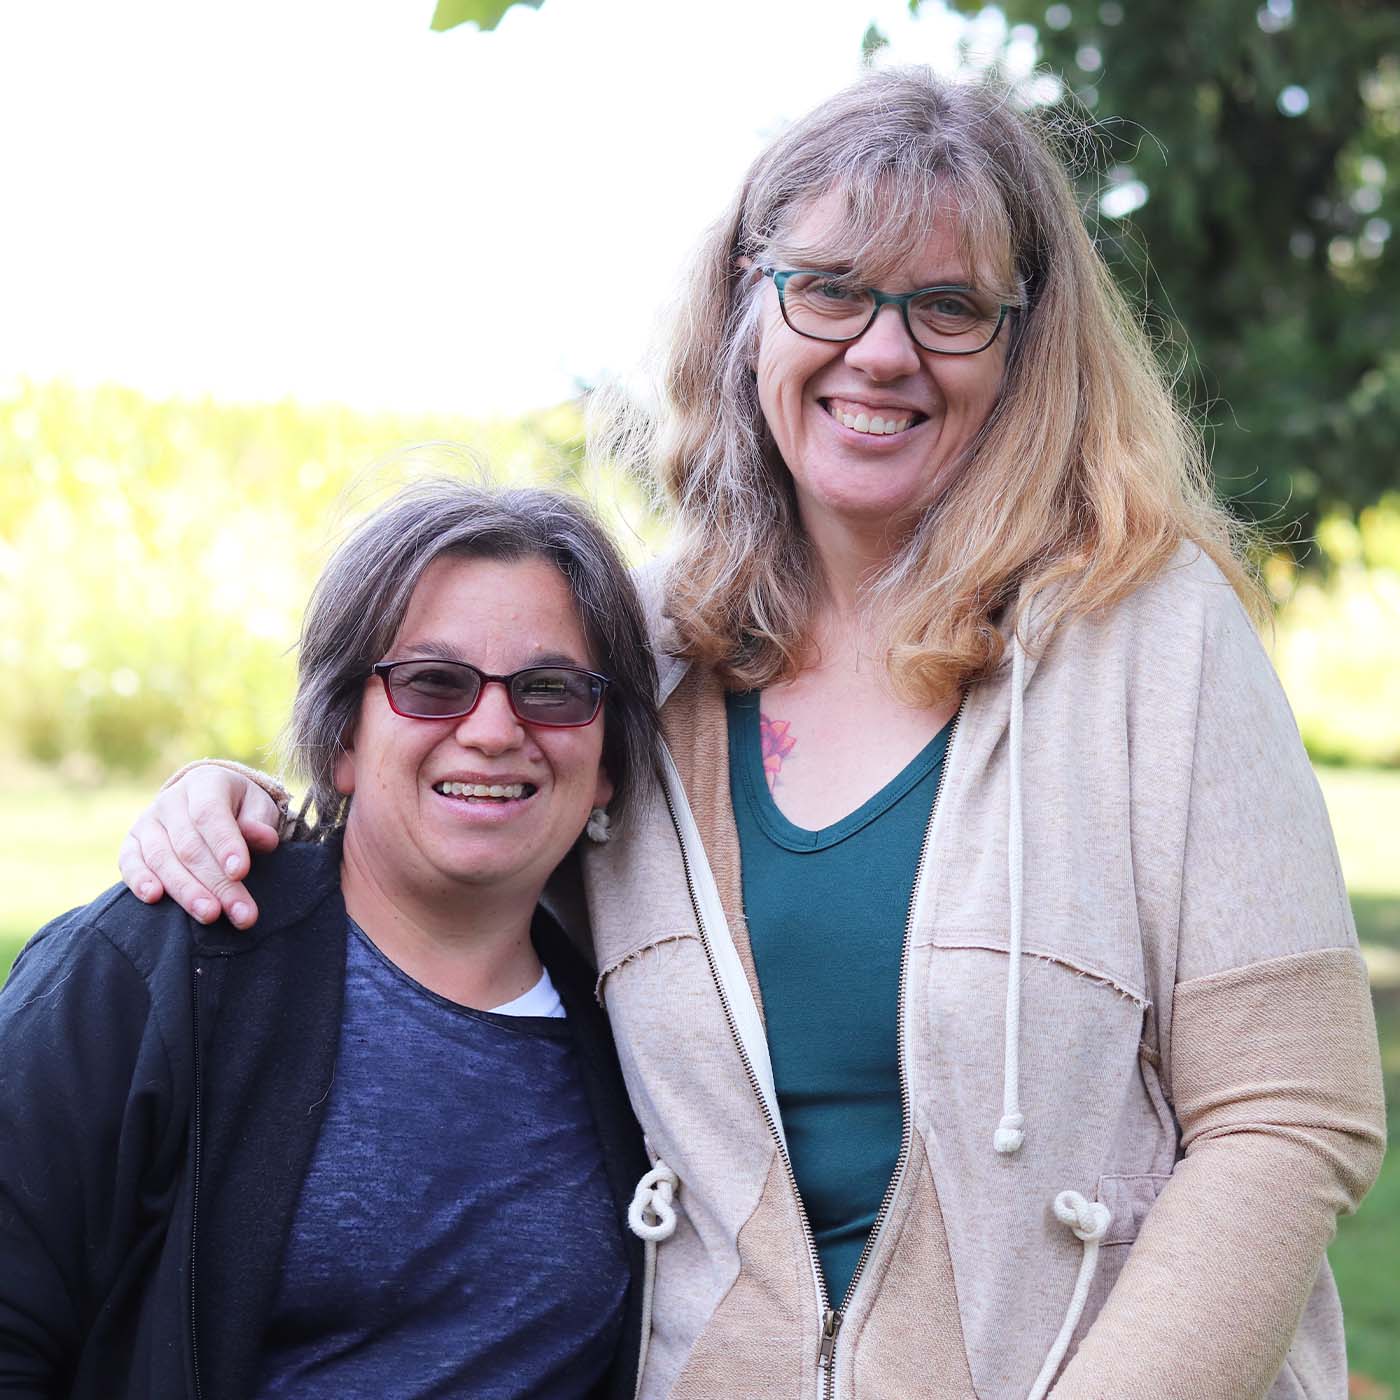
455, 1234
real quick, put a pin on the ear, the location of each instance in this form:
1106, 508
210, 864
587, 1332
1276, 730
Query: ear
603, 793
343, 769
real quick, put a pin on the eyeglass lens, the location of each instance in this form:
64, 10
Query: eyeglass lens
943, 318
539, 694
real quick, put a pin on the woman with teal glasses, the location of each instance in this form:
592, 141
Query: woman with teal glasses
981, 970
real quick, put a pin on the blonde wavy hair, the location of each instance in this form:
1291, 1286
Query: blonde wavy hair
1081, 485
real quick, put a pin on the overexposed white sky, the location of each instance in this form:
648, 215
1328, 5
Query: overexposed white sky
324, 199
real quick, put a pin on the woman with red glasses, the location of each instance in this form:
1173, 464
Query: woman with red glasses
986, 976
381, 1146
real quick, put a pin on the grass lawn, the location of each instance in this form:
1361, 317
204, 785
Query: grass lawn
58, 848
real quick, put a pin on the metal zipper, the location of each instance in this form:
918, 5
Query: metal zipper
194, 1194
831, 1325
831, 1320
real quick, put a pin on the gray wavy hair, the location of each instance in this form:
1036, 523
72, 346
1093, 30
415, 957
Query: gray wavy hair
362, 595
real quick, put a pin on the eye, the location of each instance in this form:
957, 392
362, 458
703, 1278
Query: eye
431, 679
824, 294
544, 687
948, 304
832, 290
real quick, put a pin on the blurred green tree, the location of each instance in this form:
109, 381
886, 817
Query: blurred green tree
1242, 173
485, 14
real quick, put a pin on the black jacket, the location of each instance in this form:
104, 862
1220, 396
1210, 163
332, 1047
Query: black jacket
161, 1091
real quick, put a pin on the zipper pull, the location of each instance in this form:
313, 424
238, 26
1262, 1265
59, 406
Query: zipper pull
831, 1325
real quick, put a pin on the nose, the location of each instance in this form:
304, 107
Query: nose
492, 727
885, 350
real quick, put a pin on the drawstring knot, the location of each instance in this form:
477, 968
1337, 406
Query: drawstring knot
1009, 1136
1088, 1219
651, 1214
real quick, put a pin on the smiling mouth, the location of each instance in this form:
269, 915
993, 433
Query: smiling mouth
485, 792
876, 422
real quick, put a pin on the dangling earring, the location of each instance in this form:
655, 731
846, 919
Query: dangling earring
598, 824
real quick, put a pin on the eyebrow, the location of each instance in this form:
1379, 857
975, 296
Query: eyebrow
841, 269
445, 651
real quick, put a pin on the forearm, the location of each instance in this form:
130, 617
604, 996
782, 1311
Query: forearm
1276, 1084
1209, 1300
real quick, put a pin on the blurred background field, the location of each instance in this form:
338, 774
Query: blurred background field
384, 252
155, 556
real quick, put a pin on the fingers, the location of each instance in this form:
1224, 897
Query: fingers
188, 843
213, 851
259, 836
139, 877
259, 820
187, 868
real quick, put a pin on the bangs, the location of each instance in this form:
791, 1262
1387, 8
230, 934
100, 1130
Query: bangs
881, 223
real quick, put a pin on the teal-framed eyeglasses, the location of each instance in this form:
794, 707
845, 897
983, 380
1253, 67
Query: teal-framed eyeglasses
951, 320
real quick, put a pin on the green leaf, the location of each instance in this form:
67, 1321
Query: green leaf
872, 43
484, 13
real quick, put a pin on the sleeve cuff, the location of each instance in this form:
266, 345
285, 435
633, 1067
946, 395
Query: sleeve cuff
279, 794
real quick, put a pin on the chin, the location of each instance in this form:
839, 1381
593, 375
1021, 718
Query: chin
869, 508
477, 868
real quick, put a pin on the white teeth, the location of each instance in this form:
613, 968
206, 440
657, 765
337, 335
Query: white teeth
865, 423
481, 789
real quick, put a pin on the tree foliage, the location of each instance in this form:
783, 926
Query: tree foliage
1242, 170
485, 14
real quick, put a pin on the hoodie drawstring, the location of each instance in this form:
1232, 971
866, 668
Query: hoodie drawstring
652, 1218
1089, 1220
1009, 1135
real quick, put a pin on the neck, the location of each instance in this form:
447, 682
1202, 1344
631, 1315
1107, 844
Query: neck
468, 945
849, 555
848, 558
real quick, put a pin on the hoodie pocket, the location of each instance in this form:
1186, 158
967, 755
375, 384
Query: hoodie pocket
1118, 967
1025, 1081
1053, 1038
1128, 1199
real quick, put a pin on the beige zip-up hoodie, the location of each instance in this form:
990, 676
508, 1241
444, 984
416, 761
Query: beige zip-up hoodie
1136, 1043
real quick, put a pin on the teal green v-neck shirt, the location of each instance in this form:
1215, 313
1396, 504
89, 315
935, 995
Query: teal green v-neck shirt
826, 912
